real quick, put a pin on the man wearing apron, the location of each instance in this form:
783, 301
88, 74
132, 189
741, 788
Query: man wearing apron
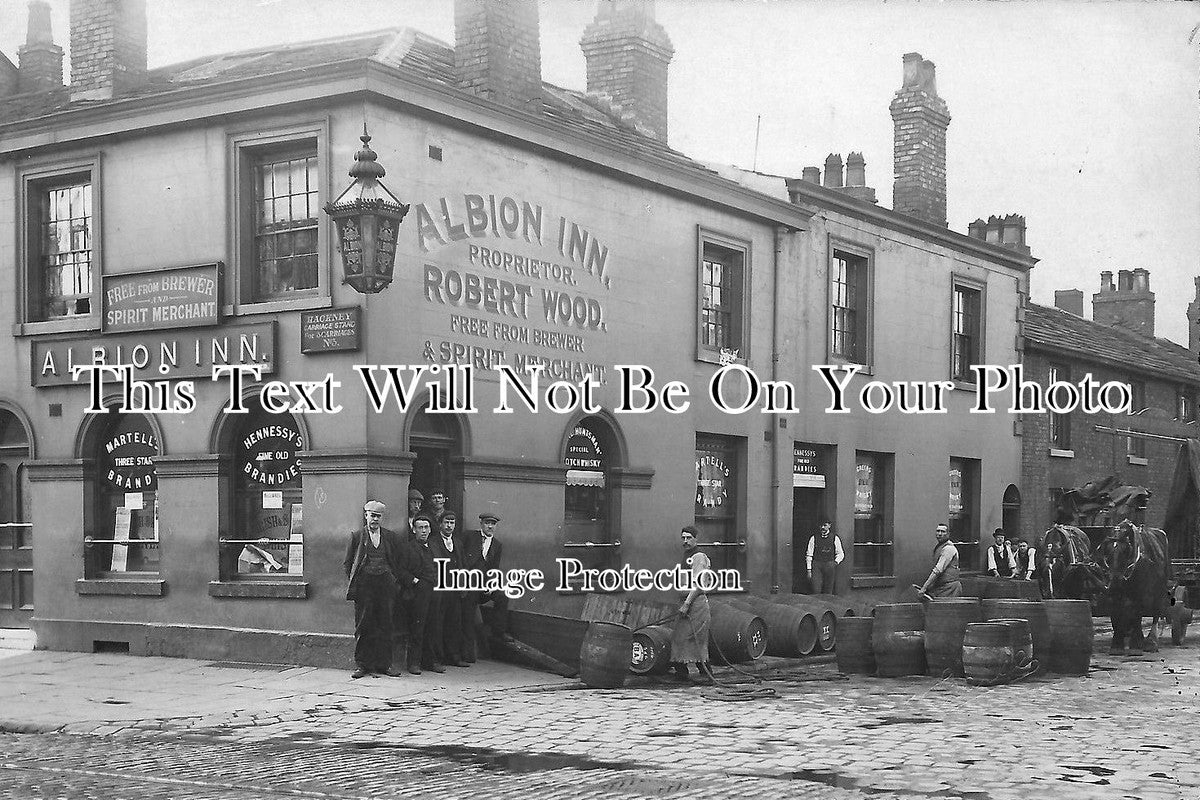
689, 640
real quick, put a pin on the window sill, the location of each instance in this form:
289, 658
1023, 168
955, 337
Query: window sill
122, 587
844, 363
966, 386
304, 302
871, 581
1138, 461
1056, 453
286, 590
80, 324
714, 357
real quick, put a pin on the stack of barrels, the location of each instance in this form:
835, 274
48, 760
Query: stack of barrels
984, 639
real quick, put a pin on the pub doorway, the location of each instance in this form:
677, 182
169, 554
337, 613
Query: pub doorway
16, 530
808, 506
437, 442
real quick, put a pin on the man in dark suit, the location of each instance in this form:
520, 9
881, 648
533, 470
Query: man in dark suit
375, 573
418, 561
487, 548
447, 606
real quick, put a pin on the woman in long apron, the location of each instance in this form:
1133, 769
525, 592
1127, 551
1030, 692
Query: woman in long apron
689, 640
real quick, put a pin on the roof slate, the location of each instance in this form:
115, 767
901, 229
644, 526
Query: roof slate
1056, 331
424, 56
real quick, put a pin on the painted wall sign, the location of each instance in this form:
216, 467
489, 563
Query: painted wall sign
331, 329
179, 297
156, 357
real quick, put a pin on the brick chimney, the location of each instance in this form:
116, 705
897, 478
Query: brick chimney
1070, 300
497, 51
1130, 304
921, 119
41, 60
1193, 317
627, 55
108, 47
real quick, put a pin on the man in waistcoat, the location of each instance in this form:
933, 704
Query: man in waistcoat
1000, 562
824, 554
375, 574
1025, 561
943, 578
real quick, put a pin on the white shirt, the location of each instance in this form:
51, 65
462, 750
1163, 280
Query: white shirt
448, 543
838, 553
487, 544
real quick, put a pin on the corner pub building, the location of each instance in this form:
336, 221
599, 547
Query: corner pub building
171, 219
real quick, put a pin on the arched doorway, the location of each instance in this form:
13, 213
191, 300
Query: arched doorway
437, 442
1011, 512
16, 530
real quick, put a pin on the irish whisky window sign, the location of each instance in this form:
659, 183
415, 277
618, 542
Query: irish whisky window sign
331, 329
177, 297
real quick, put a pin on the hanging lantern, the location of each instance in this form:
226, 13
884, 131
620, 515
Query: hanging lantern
367, 217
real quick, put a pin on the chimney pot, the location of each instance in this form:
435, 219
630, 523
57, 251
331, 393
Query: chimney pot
856, 170
813, 175
833, 171
1106, 281
977, 229
40, 59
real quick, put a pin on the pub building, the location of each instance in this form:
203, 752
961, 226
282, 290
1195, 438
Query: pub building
171, 220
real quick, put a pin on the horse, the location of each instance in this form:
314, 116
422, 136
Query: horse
1067, 570
1138, 570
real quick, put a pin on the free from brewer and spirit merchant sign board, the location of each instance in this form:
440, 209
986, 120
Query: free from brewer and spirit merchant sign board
176, 297
156, 357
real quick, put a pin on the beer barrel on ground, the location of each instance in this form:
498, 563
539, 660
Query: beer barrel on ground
987, 651
604, 655
946, 621
651, 650
898, 639
1070, 648
1011, 589
818, 605
854, 650
1034, 611
792, 631
735, 636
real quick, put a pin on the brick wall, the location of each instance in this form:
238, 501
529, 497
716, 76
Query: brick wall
497, 52
920, 118
627, 54
108, 47
1097, 455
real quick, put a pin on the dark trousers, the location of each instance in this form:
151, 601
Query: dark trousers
499, 602
824, 577
444, 633
419, 654
374, 597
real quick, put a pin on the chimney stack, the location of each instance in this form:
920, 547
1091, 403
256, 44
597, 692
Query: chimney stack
813, 175
108, 47
1193, 316
41, 60
1070, 300
627, 53
1007, 231
497, 51
920, 118
833, 171
1130, 304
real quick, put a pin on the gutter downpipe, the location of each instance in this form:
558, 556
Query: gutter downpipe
776, 419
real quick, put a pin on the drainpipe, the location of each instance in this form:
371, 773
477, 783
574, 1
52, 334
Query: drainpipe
775, 418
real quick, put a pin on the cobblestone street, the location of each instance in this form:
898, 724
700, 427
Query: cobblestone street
115, 727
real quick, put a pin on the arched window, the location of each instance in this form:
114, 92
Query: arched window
124, 529
263, 537
1011, 512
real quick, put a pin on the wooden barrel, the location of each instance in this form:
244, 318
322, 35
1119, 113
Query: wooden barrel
651, 650
792, 631
818, 604
1070, 645
842, 606
898, 639
736, 636
1034, 611
1011, 589
604, 655
854, 652
946, 621
1021, 637
987, 651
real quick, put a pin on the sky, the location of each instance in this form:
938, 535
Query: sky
1082, 116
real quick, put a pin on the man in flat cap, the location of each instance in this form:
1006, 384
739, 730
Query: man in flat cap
375, 571
446, 609
416, 501
486, 547
422, 629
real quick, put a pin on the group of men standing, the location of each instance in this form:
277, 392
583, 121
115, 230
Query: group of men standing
398, 607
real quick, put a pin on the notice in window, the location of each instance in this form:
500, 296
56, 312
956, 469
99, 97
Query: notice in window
133, 501
273, 499
296, 549
120, 552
